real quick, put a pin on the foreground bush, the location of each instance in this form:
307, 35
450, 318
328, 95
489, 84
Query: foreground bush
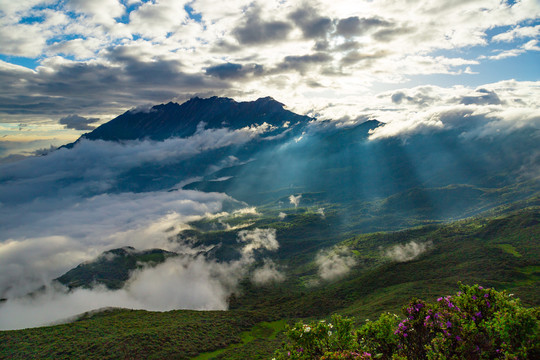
476, 323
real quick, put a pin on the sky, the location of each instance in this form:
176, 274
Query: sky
68, 66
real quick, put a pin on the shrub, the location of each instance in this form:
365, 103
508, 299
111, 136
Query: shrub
476, 323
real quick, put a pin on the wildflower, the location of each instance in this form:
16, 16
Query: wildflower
474, 297
486, 295
307, 329
488, 304
448, 324
480, 287
329, 333
458, 338
330, 326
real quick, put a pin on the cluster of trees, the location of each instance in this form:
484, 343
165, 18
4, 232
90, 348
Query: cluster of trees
476, 323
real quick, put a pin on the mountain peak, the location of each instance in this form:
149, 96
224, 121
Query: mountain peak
174, 120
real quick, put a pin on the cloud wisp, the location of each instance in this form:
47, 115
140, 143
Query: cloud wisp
189, 281
407, 252
335, 263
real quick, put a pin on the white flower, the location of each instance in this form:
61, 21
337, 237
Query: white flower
307, 329
329, 333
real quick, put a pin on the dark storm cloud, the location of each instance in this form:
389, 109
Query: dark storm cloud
77, 122
304, 62
418, 98
353, 26
354, 57
388, 34
255, 30
99, 88
311, 23
234, 71
483, 97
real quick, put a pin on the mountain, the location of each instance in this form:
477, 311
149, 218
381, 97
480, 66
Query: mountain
112, 268
161, 122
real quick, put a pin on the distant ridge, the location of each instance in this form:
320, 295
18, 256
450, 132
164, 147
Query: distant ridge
173, 120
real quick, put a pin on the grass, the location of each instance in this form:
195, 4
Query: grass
262, 332
135, 334
508, 248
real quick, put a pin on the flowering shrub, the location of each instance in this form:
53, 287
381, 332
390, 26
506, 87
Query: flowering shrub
321, 340
476, 323
378, 337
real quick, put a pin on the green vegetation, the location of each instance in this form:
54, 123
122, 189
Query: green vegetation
130, 334
255, 343
477, 250
476, 323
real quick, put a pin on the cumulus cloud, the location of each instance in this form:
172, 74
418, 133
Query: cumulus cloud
256, 30
83, 55
264, 239
77, 122
335, 263
295, 200
476, 112
353, 26
268, 273
407, 252
310, 22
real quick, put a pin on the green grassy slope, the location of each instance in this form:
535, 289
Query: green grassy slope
499, 251
130, 334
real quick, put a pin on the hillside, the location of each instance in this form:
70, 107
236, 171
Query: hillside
500, 251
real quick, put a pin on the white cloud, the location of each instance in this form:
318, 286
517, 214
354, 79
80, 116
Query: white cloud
518, 32
22, 40
490, 109
178, 283
295, 200
190, 281
255, 239
268, 273
407, 252
335, 263
159, 53
101, 11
